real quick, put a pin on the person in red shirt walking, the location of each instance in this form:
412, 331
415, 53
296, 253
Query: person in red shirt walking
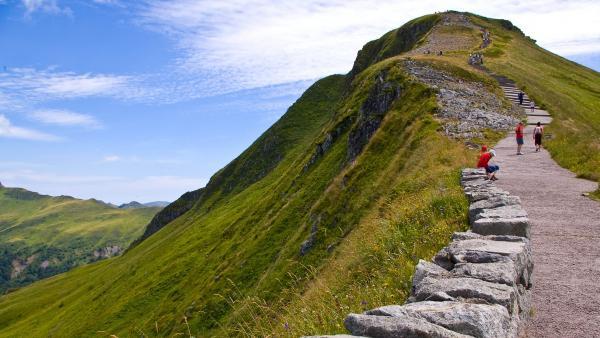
519, 132
484, 162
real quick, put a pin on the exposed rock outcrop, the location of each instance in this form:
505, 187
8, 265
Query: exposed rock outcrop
371, 113
106, 252
466, 108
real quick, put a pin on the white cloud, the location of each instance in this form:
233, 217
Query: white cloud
244, 44
227, 46
8, 130
47, 6
49, 84
65, 118
111, 158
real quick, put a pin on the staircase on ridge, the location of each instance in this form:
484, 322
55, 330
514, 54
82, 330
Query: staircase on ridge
512, 93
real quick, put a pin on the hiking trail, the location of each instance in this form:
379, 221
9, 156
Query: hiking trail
565, 233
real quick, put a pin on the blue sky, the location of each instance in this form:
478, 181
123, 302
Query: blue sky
144, 100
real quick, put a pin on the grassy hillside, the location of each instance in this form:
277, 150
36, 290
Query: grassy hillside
326, 213
569, 91
41, 236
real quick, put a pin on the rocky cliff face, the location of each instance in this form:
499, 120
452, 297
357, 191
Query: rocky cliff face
372, 111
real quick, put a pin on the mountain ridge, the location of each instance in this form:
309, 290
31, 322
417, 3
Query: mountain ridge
42, 235
309, 222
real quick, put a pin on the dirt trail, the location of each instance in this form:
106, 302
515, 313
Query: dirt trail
565, 239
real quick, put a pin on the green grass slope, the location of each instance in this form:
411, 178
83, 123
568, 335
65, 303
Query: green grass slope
569, 91
284, 205
41, 236
326, 213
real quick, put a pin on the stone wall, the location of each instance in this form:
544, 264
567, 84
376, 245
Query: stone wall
477, 286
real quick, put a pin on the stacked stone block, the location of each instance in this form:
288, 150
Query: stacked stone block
477, 286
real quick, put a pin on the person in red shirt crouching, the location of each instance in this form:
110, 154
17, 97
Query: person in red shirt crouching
484, 162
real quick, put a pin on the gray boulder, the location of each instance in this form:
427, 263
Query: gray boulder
478, 320
509, 211
461, 236
444, 289
427, 269
476, 183
497, 272
472, 171
494, 201
516, 226
394, 327
475, 194
489, 251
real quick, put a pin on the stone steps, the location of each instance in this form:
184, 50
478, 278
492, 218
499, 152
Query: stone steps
511, 92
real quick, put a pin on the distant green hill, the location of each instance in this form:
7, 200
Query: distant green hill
324, 214
41, 236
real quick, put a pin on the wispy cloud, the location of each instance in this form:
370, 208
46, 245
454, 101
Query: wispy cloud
65, 118
244, 44
50, 84
111, 158
8, 130
47, 6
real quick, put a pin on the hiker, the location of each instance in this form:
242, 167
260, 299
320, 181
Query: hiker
521, 97
538, 132
519, 132
532, 106
484, 162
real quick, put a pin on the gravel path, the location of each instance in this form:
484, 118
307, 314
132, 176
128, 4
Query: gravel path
565, 239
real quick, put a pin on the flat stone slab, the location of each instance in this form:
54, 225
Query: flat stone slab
517, 226
508, 211
452, 289
482, 193
478, 320
395, 327
497, 272
492, 202
490, 249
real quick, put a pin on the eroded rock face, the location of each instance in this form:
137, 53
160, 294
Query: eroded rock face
478, 320
393, 327
371, 113
466, 108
